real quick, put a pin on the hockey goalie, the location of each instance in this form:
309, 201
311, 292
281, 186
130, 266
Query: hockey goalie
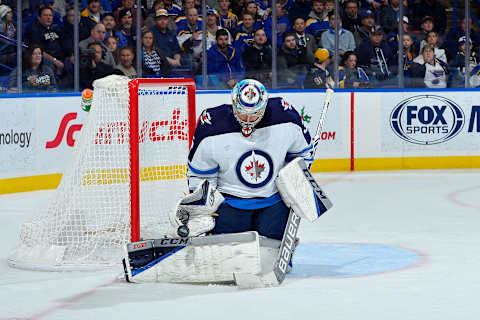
248, 174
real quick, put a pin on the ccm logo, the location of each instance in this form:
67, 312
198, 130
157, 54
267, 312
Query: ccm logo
139, 245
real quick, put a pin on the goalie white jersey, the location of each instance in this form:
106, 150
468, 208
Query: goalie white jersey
246, 167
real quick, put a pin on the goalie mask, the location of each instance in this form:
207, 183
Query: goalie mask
249, 100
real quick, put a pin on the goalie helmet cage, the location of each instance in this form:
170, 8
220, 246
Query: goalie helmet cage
128, 171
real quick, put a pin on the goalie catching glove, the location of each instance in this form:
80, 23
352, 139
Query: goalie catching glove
194, 213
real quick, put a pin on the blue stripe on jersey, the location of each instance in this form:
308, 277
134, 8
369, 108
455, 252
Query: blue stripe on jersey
253, 204
198, 171
301, 152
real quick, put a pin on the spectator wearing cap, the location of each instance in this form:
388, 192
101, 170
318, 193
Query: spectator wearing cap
89, 18
7, 26
162, 4
213, 26
346, 42
224, 62
375, 56
350, 75
458, 62
129, 5
283, 25
451, 42
166, 39
433, 8
318, 76
388, 16
304, 39
317, 21
426, 26
351, 19
97, 34
257, 58
363, 33
125, 29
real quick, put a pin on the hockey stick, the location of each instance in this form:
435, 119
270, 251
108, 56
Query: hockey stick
287, 246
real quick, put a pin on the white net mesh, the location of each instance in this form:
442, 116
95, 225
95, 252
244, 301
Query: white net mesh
88, 221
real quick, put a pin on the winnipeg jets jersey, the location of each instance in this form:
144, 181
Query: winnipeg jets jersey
246, 167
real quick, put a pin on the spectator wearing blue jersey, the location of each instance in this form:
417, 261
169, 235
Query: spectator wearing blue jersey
182, 17
189, 36
317, 20
105, 5
346, 42
228, 19
244, 33
224, 62
252, 7
351, 75
283, 25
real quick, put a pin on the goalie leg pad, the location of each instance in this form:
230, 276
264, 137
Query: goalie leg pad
301, 192
188, 260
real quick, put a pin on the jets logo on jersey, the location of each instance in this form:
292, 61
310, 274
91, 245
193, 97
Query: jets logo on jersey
286, 106
205, 117
255, 168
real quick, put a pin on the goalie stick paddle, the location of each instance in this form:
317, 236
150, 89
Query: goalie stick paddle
287, 246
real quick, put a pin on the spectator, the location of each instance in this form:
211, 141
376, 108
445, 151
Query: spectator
389, 16
292, 61
57, 18
451, 43
224, 62
212, 28
351, 75
162, 4
105, 5
432, 8
129, 5
264, 8
190, 36
47, 36
300, 9
166, 39
304, 39
111, 43
125, 66
257, 59
457, 64
363, 33
252, 7
426, 26
67, 35
97, 35
174, 10
7, 26
409, 54
108, 20
228, 20
36, 75
392, 38
154, 61
92, 67
351, 19
317, 21
432, 73
89, 18
283, 25
432, 39
375, 56
244, 32
329, 6
345, 37
126, 29
187, 4
318, 76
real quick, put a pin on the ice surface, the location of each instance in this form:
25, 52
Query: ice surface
407, 245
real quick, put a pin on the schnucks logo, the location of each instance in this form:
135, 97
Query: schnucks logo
427, 119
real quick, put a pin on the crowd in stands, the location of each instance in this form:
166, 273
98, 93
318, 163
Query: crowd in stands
238, 40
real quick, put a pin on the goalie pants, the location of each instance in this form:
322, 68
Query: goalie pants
269, 222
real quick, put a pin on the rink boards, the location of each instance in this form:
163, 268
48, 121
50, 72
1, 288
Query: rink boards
364, 130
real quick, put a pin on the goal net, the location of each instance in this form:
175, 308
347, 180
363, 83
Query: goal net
127, 173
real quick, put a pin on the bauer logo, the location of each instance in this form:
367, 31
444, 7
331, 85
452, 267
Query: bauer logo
427, 119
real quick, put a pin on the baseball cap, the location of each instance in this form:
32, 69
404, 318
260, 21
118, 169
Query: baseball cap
367, 13
426, 18
4, 9
377, 29
124, 12
212, 12
161, 13
405, 19
463, 39
106, 14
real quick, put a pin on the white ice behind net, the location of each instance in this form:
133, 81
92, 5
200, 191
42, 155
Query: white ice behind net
88, 221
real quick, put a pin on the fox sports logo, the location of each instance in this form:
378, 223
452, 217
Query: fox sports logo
427, 119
